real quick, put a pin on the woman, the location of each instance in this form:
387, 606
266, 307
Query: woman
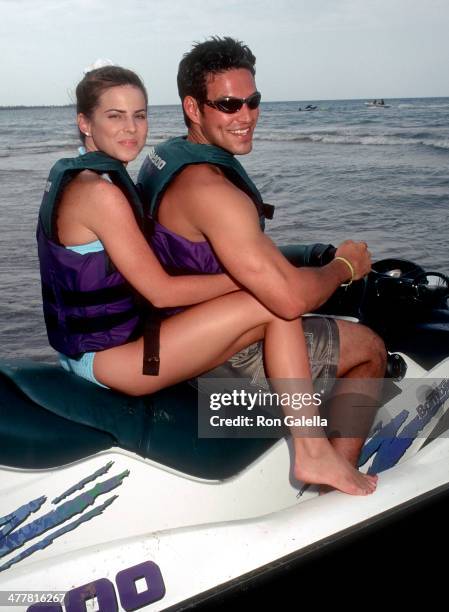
90, 311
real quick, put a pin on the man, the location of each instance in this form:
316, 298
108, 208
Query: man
210, 215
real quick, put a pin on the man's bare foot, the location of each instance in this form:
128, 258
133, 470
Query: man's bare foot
318, 463
349, 448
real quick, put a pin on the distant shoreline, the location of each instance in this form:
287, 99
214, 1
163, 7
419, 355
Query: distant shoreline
24, 106
368, 98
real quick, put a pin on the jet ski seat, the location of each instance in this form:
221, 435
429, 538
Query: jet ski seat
49, 417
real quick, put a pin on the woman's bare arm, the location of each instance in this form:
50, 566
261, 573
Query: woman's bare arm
101, 208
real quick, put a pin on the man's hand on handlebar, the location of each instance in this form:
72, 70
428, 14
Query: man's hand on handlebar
358, 255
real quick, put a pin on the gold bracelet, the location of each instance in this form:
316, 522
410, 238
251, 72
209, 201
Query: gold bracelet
350, 266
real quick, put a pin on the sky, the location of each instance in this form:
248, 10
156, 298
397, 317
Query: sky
305, 49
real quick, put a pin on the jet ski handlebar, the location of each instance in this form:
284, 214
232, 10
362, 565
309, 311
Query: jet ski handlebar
402, 279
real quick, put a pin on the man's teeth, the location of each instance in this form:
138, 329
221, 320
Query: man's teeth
243, 132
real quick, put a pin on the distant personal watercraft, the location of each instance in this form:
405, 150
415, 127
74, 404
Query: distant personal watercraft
309, 107
377, 104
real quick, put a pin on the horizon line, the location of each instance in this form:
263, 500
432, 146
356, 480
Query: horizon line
24, 106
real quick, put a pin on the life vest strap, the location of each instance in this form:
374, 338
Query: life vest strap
98, 297
268, 210
90, 325
151, 345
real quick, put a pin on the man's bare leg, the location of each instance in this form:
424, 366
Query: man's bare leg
316, 461
356, 396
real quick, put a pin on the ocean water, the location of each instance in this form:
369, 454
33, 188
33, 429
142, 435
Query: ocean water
342, 171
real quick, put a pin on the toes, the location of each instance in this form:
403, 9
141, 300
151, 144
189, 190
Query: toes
371, 485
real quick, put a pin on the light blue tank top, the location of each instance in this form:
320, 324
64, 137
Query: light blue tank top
89, 247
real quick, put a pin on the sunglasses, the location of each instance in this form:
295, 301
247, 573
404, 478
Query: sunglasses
233, 105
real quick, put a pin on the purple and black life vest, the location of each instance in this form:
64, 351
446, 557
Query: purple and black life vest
165, 161
88, 305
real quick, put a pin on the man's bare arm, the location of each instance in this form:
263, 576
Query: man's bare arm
228, 218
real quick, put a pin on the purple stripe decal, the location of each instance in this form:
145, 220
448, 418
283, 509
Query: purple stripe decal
80, 485
11, 521
56, 534
60, 515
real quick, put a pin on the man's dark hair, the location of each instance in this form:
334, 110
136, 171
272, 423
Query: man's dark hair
212, 56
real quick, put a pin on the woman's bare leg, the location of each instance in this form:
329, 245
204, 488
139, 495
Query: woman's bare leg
316, 461
205, 336
192, 342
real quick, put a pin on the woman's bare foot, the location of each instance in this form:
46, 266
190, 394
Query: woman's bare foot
317, 462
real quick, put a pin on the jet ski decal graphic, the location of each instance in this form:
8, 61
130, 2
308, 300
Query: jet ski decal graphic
388, 444
151, 588
80, 485
12, 537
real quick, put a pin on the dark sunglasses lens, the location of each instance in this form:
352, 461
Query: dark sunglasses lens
229, 105
254, 101
233, 105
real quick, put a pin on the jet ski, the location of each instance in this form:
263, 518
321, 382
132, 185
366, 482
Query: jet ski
377, 104
116, 502
309, 107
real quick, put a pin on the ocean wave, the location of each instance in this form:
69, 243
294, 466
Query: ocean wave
421, 106
333, 138
156, 139
338, 138
38, 148
45, 143
160, 137
438, 144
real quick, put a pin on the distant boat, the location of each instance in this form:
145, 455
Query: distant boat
309, 107
377, 104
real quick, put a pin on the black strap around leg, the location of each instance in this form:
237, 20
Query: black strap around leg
151, 345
